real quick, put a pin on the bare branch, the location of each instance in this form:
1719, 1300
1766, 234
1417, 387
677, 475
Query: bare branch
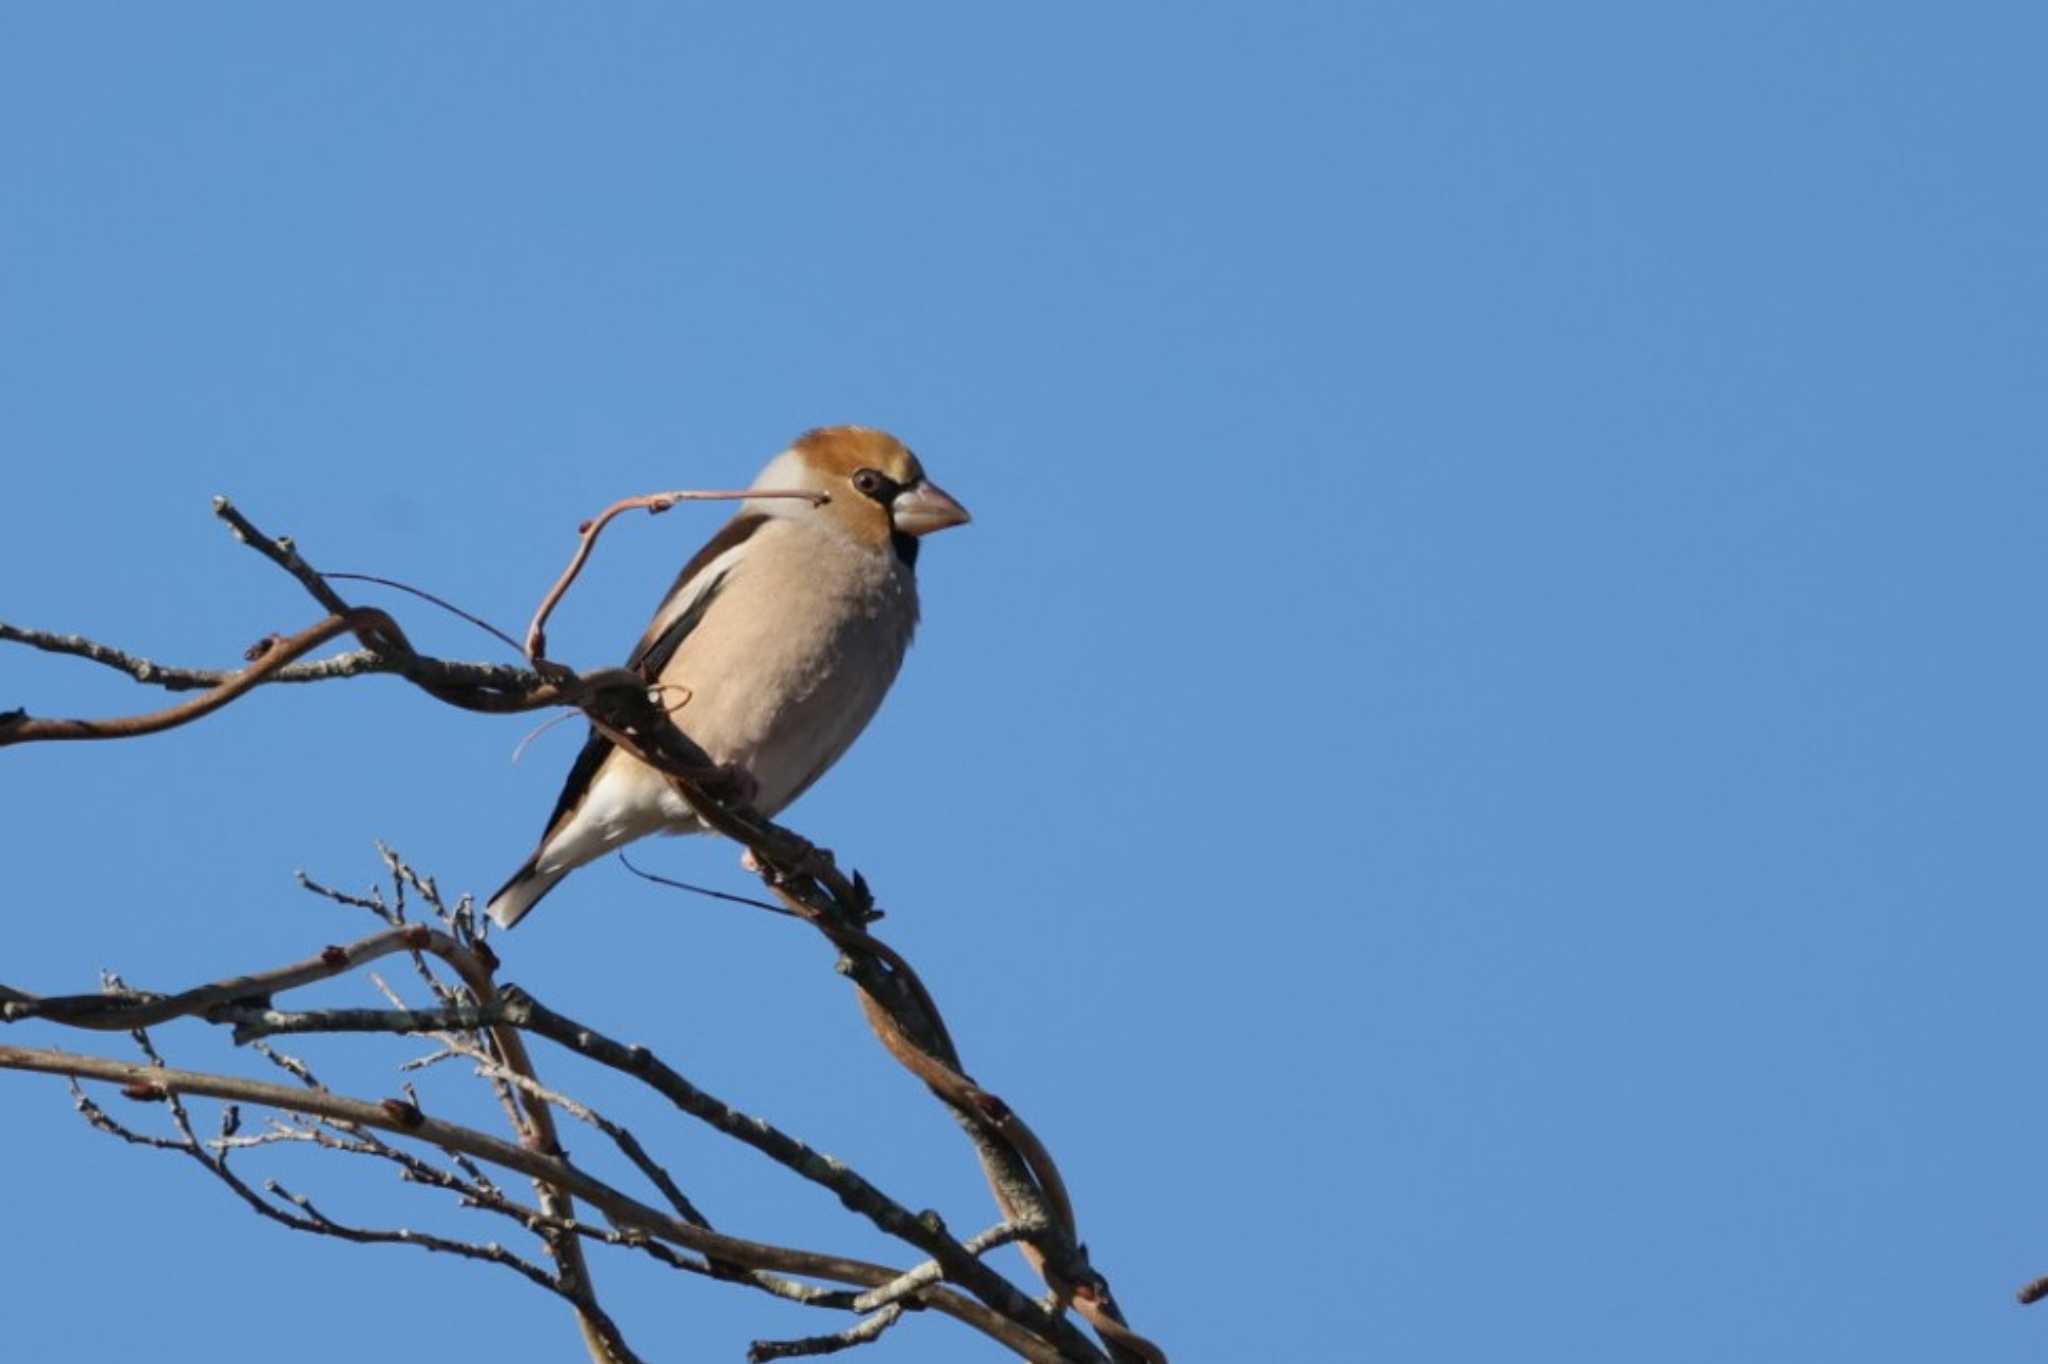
860, 1333
270, 655
517, 1009
114, 1012
533, 1119
1026, 1182
311, 1220
655, 504
405, 1121
285, 554
931, 1272
141, 669
489, 678
491, 1252
621, 1136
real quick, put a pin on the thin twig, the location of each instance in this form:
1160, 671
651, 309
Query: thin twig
707, 892
930, 1272
655, 503
275, 654
113, 1013
862, 1332
284, 553
496, 678
450, 607
517, 1009
621, 1136
311, 1219
145, 1079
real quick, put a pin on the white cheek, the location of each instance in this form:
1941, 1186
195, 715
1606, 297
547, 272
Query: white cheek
786, 471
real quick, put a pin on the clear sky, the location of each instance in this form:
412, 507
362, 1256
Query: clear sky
1478, 774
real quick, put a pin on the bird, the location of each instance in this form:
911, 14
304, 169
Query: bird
775, 646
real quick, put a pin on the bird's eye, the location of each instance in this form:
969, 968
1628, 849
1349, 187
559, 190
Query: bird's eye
874, 483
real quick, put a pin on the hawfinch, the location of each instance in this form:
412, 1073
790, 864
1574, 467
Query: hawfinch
775, 647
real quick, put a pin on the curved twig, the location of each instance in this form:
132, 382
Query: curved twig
450, 607
656, 504
270, 654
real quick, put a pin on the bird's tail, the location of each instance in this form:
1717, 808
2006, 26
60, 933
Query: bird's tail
523, 892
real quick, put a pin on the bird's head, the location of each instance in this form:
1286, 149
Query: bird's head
877, 490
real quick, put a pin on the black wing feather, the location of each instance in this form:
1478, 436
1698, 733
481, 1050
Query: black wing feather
581, 774
656, 648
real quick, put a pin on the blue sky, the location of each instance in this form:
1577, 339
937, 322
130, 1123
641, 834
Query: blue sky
1477, 774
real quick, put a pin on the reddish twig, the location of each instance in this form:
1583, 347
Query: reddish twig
655, 503
270, 654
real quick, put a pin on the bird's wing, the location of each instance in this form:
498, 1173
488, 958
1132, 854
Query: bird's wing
690, 596
581, 774
680, 612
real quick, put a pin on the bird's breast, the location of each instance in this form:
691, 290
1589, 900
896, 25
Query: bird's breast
793, 659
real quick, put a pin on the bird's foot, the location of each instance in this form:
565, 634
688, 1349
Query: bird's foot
803, 859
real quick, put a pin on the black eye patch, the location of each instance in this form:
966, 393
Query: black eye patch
876, 484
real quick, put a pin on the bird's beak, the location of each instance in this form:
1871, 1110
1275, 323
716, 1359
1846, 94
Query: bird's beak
925, 507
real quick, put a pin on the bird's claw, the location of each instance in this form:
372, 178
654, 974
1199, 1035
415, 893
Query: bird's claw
804, 859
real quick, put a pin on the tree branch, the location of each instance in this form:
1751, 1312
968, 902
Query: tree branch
1026, 1182
145, 1080
861, 1332
517, 1009
655, 504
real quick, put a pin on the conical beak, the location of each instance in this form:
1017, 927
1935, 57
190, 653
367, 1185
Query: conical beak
925, 507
